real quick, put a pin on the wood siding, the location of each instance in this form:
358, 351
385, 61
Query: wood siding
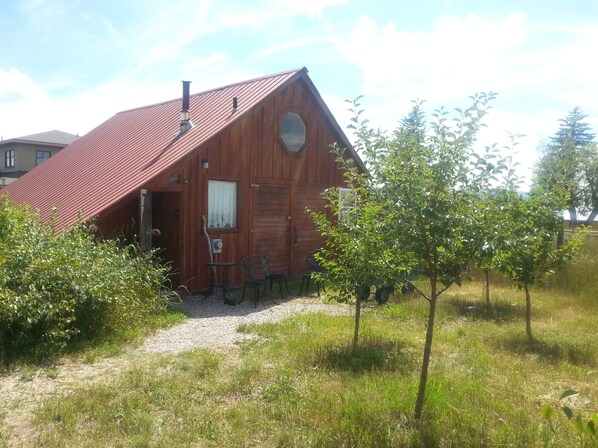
275, 187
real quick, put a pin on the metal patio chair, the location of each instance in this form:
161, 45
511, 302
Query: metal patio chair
273, 277
313, 267
248, 270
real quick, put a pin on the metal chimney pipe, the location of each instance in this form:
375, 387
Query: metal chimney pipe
186, 96
185, 123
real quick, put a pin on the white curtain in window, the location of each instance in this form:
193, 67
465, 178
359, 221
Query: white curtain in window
222, 204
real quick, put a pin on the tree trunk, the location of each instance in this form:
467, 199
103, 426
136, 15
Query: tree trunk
357, 317
487, 275
573, 217
421, 393
528, 314
592, 217
560, 237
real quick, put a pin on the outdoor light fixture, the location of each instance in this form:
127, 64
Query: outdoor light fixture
205, 163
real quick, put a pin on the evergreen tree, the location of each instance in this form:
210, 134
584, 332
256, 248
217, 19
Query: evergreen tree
570, 162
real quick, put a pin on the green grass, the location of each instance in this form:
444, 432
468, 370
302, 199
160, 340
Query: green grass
117, 342
301, 385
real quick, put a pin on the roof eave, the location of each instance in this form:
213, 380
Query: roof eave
345, 143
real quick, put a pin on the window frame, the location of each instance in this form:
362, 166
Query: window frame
37, 156
9, 158
236, 182
306, 132
347, 203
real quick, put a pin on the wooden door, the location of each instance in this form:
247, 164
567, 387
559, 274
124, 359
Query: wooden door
281, 226
271, 224
166, 231
304, 236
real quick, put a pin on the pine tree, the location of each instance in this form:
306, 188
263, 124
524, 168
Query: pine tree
570, 163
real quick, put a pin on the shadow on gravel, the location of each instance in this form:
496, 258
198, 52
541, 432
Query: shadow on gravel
199, 306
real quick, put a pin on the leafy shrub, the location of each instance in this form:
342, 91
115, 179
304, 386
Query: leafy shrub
56, 290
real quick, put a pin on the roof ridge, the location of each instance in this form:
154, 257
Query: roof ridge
26, 137
215, 89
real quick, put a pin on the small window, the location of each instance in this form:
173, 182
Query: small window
9, 158
41, 157
293, 132
222, 204
348, 201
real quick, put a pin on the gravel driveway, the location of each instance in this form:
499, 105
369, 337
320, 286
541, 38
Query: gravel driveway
213, 324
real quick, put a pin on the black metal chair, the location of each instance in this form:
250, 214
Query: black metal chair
272, 277
248, 271
313, 267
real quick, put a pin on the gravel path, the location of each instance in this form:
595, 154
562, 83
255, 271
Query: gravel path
213, 324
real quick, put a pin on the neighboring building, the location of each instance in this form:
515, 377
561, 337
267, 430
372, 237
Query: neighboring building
22, 154
250, 157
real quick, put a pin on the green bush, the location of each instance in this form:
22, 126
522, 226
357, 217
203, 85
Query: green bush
58, 290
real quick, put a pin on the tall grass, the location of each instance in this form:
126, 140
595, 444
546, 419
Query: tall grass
580, 277
300, 384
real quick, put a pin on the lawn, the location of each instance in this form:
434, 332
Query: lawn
300, 385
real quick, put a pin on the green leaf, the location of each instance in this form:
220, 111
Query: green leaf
567, 411
592, 428
547, 412
578, 425
568, 393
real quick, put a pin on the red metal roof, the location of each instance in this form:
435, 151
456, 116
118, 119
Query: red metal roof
131, 148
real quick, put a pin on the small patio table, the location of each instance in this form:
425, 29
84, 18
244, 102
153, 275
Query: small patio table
225, 265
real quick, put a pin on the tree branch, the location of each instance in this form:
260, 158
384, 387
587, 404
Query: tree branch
420, 292
444, 289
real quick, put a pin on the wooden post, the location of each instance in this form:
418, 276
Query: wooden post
145, 220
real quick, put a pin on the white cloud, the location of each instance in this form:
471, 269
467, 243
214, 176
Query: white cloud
458, 57
34, 111
310, 8
543, 71
16, 86
287, 45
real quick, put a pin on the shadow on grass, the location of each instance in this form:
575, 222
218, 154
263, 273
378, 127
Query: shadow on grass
579, 354
499, 312
370, 355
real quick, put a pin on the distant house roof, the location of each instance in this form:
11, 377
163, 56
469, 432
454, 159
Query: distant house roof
55, 137
135, 146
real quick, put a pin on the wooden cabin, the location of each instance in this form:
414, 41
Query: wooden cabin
249, 157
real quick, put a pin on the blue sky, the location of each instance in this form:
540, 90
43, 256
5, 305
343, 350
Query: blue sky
71, 64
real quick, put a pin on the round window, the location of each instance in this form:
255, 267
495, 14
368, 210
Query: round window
293, 132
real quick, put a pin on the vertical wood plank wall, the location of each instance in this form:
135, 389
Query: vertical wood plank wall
251, 153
